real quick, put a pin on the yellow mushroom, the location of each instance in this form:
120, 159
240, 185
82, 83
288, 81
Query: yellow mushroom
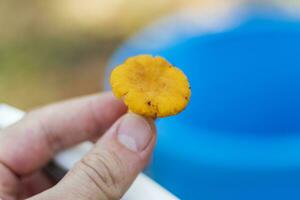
151, 86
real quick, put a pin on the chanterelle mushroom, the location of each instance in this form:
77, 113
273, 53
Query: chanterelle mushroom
151, 86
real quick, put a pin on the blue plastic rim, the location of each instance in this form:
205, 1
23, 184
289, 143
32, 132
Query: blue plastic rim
241, 129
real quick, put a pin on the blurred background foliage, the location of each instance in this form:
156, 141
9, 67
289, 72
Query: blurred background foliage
52, 50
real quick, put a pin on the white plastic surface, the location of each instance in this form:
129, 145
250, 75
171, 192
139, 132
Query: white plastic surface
143, 187
9, 115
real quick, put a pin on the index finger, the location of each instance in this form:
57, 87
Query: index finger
31, 143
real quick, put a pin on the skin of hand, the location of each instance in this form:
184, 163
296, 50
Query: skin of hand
123, 145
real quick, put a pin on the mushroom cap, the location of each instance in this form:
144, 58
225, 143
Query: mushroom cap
151, 86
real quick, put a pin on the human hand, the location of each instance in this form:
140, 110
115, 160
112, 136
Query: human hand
106, 172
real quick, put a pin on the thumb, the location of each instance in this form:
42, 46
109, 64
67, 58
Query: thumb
108, 170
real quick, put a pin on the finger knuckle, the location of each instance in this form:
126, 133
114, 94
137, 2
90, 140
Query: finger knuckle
105, 170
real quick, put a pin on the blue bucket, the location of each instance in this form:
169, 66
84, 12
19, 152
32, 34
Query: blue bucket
239, 137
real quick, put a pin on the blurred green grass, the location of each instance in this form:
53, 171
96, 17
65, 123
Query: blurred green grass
40, 70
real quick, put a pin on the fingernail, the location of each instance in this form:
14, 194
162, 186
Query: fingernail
134, 132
